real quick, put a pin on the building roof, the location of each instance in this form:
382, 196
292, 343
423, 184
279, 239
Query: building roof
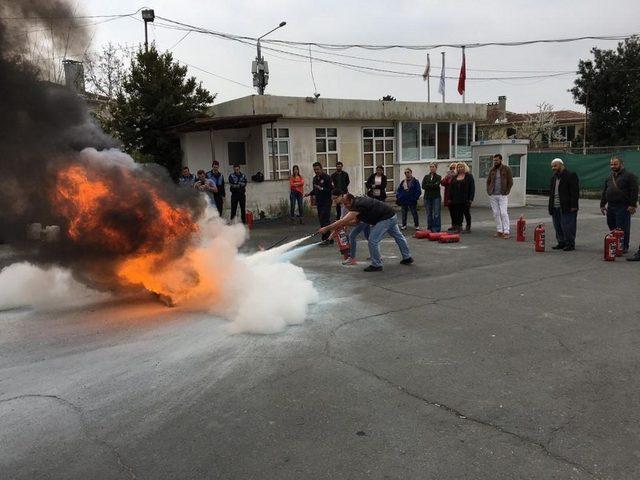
347, 109
222, 123
494, 115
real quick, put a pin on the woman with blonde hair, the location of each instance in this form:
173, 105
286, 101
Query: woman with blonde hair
461, 194
446, 183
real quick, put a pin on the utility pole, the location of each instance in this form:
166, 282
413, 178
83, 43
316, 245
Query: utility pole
584, 129
148, 16
260, 68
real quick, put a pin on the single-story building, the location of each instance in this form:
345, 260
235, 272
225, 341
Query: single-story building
270, 134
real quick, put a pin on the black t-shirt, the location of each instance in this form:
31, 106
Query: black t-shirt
371, 211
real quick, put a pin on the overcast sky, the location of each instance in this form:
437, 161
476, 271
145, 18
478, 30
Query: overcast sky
382, 22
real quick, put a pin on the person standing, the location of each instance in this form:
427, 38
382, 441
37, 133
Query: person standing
376, 184
296, 190
216, 176
431, 187
499, 183
382, 218
321, 192
238, 189
619, 199
186, 178
340, 180
564, 191
462, 190
446, 183
407, 195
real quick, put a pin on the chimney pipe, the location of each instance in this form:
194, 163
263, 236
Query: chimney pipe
74, 75
502, 104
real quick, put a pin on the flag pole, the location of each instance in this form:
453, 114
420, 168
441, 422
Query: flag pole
429, 80
443, 71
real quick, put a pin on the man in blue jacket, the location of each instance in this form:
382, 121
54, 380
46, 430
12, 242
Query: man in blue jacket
238, 187
407, 196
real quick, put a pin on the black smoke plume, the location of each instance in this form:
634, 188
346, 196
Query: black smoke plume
44, 128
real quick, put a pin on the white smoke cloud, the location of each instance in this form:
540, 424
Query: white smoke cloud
260, 293
25, 285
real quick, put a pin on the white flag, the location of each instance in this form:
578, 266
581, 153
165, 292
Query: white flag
427, 69
441, 86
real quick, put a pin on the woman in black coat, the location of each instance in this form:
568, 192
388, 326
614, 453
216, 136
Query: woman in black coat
377, 184
461, 194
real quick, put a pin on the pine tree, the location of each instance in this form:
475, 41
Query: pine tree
609, 85
156, 94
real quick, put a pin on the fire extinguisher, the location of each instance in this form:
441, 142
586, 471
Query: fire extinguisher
539, 238
342, 240
610, 247
248, 216
521, 227
619, 234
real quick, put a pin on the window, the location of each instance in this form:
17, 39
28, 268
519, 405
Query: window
428, 144
443, 140
378, 149
464, 137
410, 142
237, 153
327, 148
515, 161
486, 164
278, 151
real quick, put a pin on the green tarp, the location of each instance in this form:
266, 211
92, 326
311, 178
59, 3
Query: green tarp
591, 169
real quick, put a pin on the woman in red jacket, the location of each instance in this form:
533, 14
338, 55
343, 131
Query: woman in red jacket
296, 188
446, 183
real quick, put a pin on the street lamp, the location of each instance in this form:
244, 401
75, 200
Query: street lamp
260, 68
148, 16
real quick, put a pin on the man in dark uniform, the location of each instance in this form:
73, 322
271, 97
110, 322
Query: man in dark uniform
217, 177
382, 218
321, 192
340, 180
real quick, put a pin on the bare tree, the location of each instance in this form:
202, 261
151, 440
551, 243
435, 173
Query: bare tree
538, 125
105, 71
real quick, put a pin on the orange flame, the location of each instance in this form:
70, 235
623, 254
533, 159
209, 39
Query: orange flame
148, 257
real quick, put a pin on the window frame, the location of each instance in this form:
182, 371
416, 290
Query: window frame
328, 169
280, 173
385, 138
453, 147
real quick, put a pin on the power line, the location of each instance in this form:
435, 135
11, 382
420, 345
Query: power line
64, 17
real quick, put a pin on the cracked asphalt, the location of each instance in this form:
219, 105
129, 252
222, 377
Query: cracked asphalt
483, 360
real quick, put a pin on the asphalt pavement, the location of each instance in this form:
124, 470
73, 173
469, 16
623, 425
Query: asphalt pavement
483, 360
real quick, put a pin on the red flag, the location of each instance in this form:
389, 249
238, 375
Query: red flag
463, 75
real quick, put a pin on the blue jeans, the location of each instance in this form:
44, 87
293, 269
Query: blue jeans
378, 230
295, 197
414, 212
619, 217
565, 226
432, 206
353, 236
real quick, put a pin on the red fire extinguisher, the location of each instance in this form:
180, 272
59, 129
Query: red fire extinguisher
342, 240
610, 247
521, 227
539, 238
619, 234
248, 216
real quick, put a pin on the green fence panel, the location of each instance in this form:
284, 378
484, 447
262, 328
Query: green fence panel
591, 169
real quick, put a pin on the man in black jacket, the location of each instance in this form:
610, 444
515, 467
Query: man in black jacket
564, 192
340, 180
620, 199
431, 187
321, 192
